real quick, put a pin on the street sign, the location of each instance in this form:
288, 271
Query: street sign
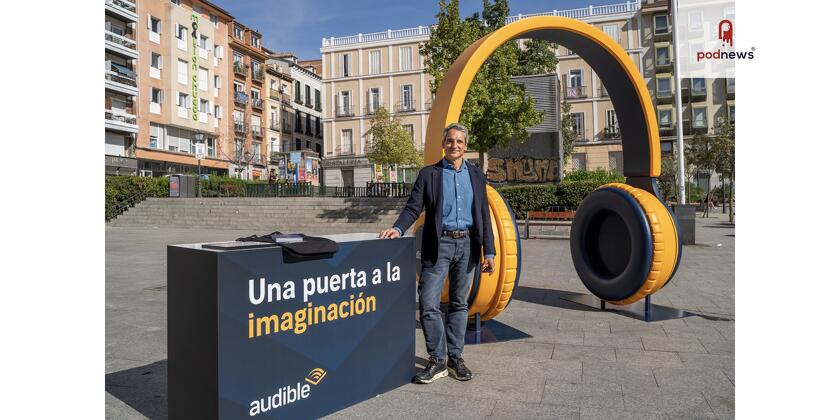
200, 150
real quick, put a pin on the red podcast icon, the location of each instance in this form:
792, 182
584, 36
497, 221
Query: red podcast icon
725, 31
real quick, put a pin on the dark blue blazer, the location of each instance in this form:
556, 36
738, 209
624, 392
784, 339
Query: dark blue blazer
427, 194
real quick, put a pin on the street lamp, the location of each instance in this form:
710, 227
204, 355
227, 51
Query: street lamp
199, 154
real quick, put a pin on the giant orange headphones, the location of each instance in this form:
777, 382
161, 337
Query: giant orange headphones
624, 240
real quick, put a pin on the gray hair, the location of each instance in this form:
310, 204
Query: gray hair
459, 127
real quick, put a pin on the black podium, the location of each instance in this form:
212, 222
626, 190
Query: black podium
258, 333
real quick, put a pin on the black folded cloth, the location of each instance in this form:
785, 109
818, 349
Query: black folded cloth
298, 244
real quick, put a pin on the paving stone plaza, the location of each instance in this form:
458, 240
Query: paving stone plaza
553, 359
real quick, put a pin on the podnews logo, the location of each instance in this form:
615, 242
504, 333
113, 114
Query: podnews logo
725, 34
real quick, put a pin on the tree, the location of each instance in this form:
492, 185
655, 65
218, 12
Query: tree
495, 110
389, 143
698, 154
723, 155
567, 132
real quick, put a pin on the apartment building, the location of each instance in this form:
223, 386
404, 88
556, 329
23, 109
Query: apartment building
305, 145
248, 131
363, 73
181, 70
705, 102
280, 112
121, 89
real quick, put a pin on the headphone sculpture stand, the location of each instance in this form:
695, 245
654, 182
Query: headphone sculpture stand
624, 241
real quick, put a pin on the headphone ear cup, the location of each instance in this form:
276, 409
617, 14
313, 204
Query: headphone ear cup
624, 243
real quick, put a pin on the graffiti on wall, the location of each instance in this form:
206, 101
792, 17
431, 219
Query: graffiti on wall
522, 169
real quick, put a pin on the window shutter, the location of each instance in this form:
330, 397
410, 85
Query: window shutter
148, 21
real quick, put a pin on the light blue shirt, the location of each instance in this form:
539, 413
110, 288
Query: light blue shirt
457, 197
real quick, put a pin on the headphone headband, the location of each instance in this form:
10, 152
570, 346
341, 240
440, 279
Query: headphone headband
616, 70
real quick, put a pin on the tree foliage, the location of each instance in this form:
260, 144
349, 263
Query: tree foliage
495, 110
389, 143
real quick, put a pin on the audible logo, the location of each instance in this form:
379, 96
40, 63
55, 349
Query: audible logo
288, 394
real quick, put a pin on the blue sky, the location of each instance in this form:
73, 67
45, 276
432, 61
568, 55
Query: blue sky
299, 25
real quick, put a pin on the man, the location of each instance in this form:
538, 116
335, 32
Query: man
457, 225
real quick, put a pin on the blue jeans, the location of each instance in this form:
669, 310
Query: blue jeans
455, 259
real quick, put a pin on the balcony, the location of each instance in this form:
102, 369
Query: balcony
274, 124
611, 133
662, 35
124, 80
404, 106
372, 108
298, 127
257, 131
286, 99
239, 127
120, 120
287, 126
666, 128
298, 100
257, 103
257, 74
575, 92
258, 160
664, 96
274, 94
344, 111
664, 65
240, 98
122, 8
698, 92
344, 150
602, 92
120, 42
239, 69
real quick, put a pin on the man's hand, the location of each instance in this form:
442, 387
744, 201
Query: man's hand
488, 266
389, 233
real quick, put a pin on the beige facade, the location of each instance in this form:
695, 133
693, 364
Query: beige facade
361, 77
182, 71
349, 75
121, 87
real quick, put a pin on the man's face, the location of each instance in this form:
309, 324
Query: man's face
454, 145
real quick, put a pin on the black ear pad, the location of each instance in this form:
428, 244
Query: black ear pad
611, 244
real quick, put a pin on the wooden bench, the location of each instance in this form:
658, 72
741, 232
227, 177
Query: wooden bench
545, 215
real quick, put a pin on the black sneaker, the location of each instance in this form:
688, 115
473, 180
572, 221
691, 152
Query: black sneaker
435, 369
459, 369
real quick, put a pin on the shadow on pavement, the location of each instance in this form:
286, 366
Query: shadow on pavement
589, 303
143, 388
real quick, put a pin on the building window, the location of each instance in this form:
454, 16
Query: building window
297, 91
578, 161
612, 31
698, 86
375, 60
218, 51
154, 25
317, 99
663, 86
577, 124
215, 20
660, 24
345, 65
405, 58
176, 2
611, 127
203, 74
698, 117
202, 42
182, 72
665, 119
156, 62
298, 144
157, 96
183, 100
407, 100
409, 128
238, 32
217, 82
575, 77
346, 141
181, 34
695, 20
344, 103
308, 96
374, 100
663, 57
238, 59
204, 106
732, 114
666, 148
309, 144
217, 111
255, 41
617, 162
155, 136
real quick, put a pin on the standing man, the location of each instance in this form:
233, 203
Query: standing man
457, 226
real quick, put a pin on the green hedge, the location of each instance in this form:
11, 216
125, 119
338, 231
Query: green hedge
122, 192
601, 175
567, 194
